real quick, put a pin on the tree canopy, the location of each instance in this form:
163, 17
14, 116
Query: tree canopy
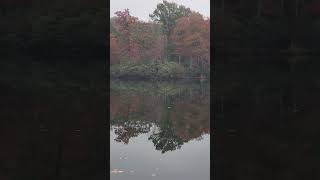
177, 35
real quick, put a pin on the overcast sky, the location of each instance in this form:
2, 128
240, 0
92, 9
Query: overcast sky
142, 8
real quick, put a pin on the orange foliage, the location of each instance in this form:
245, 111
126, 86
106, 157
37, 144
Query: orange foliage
191, 37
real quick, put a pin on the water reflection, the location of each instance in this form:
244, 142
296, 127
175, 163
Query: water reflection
168, 116
267, 118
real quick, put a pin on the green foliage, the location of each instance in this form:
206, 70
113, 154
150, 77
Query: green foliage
170, 70
138, 47
167, 13
163, 88
148, 70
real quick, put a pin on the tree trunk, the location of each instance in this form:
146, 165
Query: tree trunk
202, 66
168, 52
165, 48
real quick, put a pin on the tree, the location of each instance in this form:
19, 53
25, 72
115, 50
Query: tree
148, 40
166, 139
166, 14
191, 37
124, 25
114, 50
137, 40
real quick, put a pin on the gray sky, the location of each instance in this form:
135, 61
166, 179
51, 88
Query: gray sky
142, 8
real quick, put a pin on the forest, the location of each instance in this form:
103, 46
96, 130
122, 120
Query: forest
266, 25
174, 45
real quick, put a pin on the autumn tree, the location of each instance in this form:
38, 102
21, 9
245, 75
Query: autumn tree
166, 14
124, 25
136, 40
148, 39
176, 33
191, 37
114, 50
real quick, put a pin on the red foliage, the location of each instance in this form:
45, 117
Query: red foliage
192, 38
114, 50
125, 23
135, 40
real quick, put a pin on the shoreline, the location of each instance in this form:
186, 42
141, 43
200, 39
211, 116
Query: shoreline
136, 79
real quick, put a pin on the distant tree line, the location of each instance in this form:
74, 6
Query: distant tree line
176, 35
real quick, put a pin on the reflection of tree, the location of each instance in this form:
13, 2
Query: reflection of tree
131, 129
181, 116
128, 116
166, 139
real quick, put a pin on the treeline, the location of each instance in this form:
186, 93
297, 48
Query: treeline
175, 44
271, 24
63, 28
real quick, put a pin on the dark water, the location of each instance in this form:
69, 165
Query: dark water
266, 117
159, 131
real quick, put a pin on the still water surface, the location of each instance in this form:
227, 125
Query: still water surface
159, 131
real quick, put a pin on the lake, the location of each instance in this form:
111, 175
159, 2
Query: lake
265, 119
159, 130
